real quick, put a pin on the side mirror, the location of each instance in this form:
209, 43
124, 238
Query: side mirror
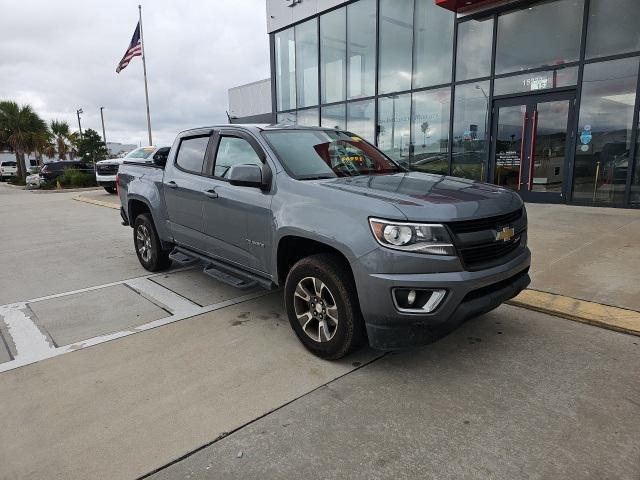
248, 175
160, 158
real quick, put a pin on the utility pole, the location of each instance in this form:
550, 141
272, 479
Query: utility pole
144, 68
78, 112
104, 135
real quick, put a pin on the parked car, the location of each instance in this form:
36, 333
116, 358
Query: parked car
8, 169
52, 170
34, 180
106, 170
363, 248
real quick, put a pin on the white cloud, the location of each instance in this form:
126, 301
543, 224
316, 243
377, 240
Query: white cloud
59, 56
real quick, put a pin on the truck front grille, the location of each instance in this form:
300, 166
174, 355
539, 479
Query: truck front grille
477, 240
107, 169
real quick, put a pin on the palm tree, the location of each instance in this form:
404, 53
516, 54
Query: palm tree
62, 138
21, 128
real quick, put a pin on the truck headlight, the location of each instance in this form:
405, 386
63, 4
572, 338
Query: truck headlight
413, 237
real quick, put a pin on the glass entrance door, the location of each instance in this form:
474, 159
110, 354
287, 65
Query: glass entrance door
530, 148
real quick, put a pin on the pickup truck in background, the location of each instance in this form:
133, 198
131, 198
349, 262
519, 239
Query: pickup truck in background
365, 250
106, 170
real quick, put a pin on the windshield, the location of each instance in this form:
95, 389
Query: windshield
9, 164
144, 152
311, 154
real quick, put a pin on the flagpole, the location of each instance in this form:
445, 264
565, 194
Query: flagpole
144, 68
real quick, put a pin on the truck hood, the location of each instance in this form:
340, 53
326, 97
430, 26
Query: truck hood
427, 197
111, 161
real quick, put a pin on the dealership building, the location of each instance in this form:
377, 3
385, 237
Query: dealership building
538, 96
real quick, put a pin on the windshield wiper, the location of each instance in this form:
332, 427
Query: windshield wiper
318, 177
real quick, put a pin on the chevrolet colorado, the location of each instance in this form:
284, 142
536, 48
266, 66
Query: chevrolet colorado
365, 250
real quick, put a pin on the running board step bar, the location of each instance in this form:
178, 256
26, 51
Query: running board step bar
221, 271
181, 257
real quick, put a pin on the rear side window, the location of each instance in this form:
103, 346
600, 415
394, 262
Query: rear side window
191, 153
9, 164
234, 151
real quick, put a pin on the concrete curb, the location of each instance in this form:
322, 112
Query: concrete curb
64, 190
604, 316
80, 198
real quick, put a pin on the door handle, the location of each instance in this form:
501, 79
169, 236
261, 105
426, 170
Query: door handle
211, 193
172, 184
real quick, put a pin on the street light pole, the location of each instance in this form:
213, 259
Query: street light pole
78, 112
104, 135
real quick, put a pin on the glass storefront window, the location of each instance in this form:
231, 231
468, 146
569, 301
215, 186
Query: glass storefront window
286, 118
361, 49
285, 48
433, 51
307, 63
334, 116
533, 82
430, 131
394, 112
473, 59
604, 131
308, 118
470, 130
396, 38
543, 34
360, 119
613, 27
333, 55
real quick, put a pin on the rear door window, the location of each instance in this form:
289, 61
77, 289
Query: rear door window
191, 153
233, 151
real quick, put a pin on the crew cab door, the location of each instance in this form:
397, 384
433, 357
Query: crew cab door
237, 219
184, 187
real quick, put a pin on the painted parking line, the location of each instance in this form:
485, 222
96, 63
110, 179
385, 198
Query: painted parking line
31, 344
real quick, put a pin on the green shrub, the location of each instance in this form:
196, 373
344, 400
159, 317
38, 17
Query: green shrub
76, 178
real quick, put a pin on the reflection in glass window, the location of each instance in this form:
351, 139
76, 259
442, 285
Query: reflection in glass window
285, 69
635, 181
191, 153
361, 53
470, 130
532, 82
544, 34
334, 116
394, 112
613, 27
473, 58
604, 131
360, 119
333, 53
433, 51
287, 118
308, 117
307, 63
396, 38
430, 131
234, 151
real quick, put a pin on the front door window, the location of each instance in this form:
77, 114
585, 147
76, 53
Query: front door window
530, 145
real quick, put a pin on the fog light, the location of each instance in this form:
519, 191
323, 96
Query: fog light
411, 300
411, 297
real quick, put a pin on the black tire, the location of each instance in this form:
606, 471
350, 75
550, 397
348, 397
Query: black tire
348, 331
150, 253
111, 190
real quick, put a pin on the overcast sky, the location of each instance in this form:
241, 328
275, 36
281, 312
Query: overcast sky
60, 55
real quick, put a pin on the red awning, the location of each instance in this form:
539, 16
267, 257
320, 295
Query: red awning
459, 5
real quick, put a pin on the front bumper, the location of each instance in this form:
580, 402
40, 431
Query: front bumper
469, 294
106, 180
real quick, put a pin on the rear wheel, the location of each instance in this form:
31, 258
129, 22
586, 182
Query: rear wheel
111, 190
322, 306
147, 244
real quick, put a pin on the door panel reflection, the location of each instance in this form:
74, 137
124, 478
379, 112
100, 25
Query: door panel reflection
550, 144
509, 145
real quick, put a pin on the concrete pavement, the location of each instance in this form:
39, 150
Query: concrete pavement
513, 394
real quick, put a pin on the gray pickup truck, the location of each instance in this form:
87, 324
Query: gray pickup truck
365, 250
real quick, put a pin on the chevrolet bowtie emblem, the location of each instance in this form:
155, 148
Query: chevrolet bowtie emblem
505, 234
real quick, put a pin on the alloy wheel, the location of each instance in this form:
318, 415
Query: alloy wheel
316, 309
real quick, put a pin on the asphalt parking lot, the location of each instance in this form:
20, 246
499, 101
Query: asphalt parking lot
109, 372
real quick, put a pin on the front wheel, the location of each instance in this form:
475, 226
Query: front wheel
111, 190
322, 306
147, 243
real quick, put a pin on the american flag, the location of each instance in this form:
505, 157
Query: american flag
134, 50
